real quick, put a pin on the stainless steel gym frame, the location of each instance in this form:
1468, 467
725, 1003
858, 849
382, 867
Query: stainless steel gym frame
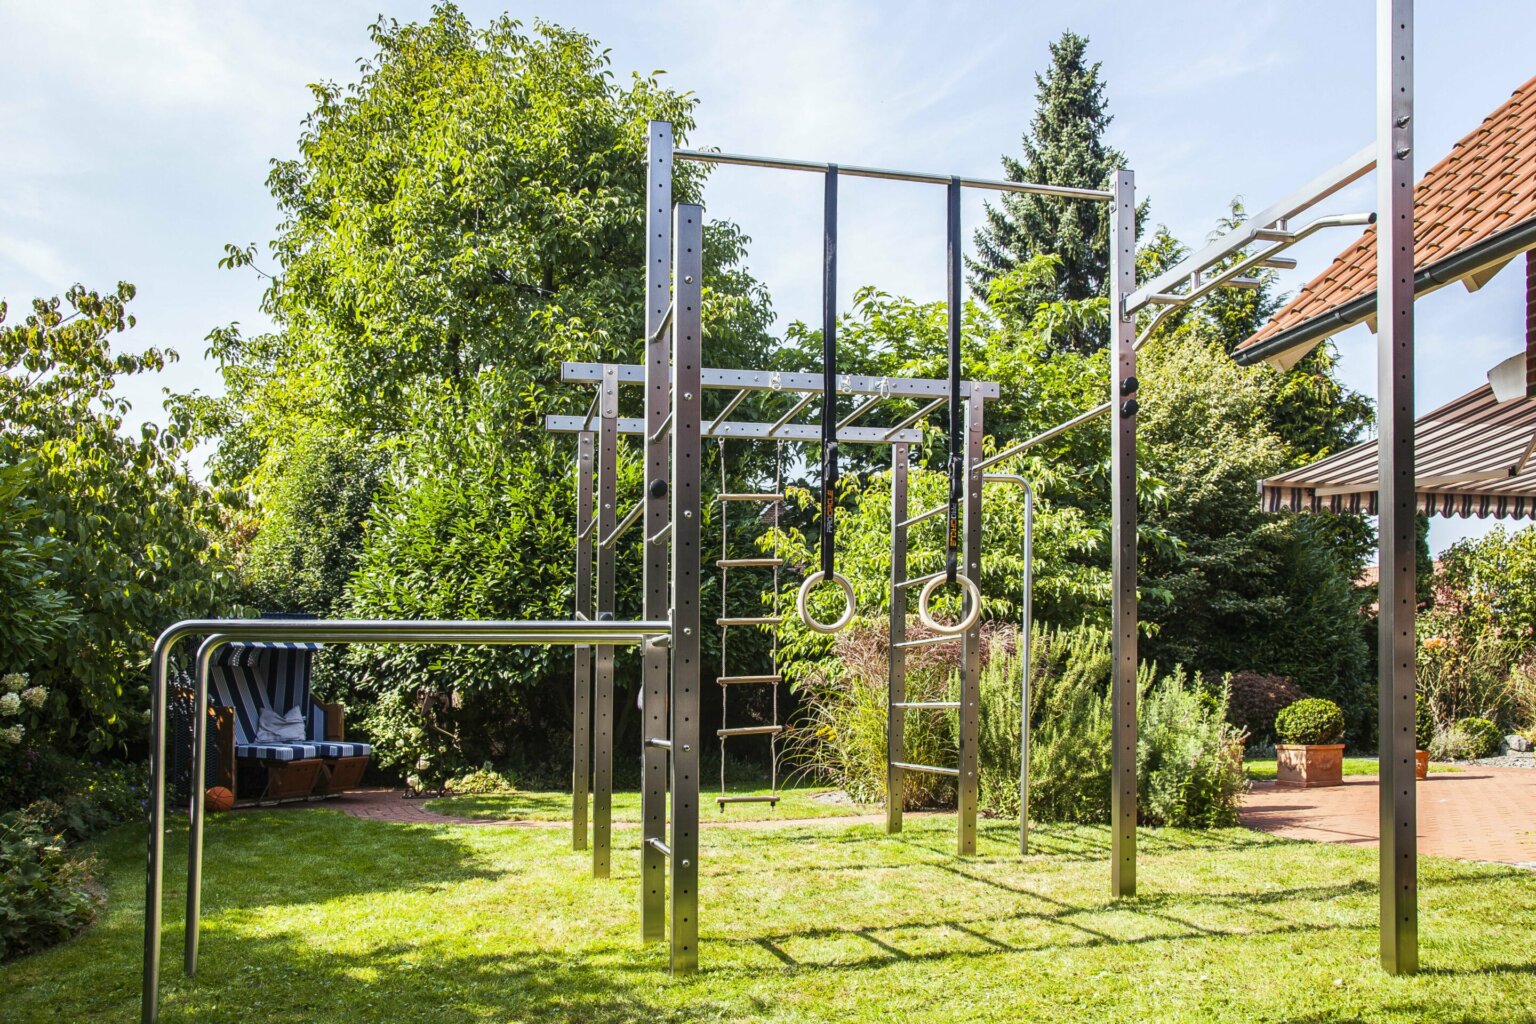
222, 631
1270, 230
801, 390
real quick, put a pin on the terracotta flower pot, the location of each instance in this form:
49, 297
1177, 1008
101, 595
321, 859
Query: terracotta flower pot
1305, 765
1421, 764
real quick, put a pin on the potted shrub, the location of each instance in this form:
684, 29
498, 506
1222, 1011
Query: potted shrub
1310, 752
1423, 735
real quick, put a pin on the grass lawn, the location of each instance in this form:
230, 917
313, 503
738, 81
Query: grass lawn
1262, 769
314, 916
797, 802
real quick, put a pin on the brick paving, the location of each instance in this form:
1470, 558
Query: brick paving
1479, 813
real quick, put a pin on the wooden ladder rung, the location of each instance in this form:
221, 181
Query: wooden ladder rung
748, 563
752, 620
750, 730
772, 798
741, 680
750, 497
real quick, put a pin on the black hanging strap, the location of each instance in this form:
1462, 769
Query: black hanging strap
829, 374
956, 412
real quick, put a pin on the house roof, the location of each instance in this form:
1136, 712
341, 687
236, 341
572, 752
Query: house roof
1475, 456
1469, 204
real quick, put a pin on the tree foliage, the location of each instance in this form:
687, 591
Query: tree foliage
117, 540
1063, 146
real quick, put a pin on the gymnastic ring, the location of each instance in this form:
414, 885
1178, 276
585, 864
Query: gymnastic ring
802, 603
926, 617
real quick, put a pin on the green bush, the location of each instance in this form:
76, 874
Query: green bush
485, 779
1189, 759
1309, 721
45, 895
1423, 722
1482, 735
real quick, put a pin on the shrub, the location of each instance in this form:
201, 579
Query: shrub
1254, 699
1451, 744
1482, 736
484, 779
1423, 722
45, 895
1309, 721
1189, 759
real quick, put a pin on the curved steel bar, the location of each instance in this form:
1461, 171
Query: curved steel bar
498, 632
196, 808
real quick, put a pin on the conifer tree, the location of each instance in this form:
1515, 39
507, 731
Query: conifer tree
1064, 145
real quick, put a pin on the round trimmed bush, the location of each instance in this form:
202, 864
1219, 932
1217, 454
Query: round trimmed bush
1310, 721
1482, 735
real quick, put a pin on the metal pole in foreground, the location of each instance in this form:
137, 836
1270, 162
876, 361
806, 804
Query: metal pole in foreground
969, 781
687, 360
1396, 499
602, 694
896, 660
581, 685
196, 812
658, 388
1122, 387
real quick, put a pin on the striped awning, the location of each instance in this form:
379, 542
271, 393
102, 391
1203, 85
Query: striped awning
1473, 457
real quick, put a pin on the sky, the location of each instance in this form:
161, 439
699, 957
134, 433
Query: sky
135, 138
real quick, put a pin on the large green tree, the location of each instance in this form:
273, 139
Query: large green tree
460, 219
1064, 145
110, 536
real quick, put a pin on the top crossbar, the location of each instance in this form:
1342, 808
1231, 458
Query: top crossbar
922, 177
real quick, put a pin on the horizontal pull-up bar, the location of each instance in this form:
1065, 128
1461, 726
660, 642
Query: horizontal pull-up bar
492, 631
921, 177
1041, 438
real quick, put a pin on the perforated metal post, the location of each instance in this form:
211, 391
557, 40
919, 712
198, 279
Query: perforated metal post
602, 703
687, 359
896, 716
969, 780
581, 687
1396, 500
658, 387
1122, 233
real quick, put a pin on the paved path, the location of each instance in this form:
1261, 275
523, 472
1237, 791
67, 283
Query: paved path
1479, 813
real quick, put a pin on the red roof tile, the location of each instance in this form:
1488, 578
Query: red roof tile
1487, 183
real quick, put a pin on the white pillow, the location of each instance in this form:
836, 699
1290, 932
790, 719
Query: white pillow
287, 727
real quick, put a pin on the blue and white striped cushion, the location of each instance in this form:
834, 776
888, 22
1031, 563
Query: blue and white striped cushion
343, 749
276, 751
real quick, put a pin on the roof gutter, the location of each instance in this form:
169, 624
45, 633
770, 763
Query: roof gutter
1495, 249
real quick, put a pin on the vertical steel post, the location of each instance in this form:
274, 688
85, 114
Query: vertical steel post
197, 813
602, 703
970, 676
896, 717
1122, 396
581, 685
658, 388
1396, 500
1026, 639
687, 358
149, 1004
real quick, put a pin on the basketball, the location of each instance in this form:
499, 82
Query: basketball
218, 799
